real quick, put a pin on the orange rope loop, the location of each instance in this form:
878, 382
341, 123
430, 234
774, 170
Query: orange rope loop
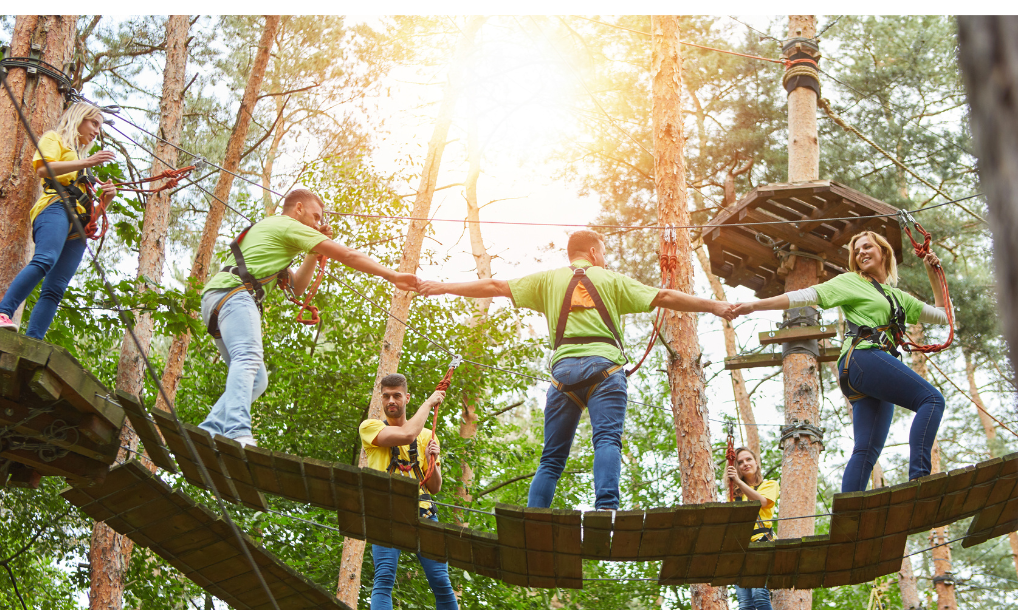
173, 177
730, 459
669, 264
443, 385
305, 305
921, 250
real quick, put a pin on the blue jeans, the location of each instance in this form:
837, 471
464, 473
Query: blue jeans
54, 262
753, 598
887, 382
240, 324
386, 559
607, 409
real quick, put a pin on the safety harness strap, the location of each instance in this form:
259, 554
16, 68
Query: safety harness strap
580, 275
592, 382
414, 465
886, 336
76, 190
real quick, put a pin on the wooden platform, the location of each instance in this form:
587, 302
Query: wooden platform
740, 258
195, 541
55, 416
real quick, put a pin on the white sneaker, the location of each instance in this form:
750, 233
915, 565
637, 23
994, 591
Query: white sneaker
246, 440
7, 323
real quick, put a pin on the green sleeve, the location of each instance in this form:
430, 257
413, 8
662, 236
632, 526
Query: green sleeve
912, 306
633, 297
302, 238
528, 291
836, 291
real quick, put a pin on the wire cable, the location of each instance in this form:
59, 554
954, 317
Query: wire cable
76, 223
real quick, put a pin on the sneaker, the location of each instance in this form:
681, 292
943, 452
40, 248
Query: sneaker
246, 440
7, 323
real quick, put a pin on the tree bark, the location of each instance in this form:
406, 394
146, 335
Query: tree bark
988, 56
42, 103
106, 574
203, 258
685, 371
742, 399
801, 459
392, 343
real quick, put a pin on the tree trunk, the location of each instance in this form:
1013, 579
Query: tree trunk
742, 400
988, 56
217, 208
685, 372
800, 462
392, 343
107, 574
42, 103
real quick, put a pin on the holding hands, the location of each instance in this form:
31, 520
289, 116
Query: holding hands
405, 281
724, 309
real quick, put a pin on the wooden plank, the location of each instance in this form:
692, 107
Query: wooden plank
73, 467
290, 475
432, 540
259, 465
674, 569
510, 526
566, 531
45, 385
797, 334
657, 529
318, 475
206, 450
686, 523
597, 527
82, 389
741, 522
41, 428
145, 427
485, 550
34, 352
627, 534
772, 359
537, 530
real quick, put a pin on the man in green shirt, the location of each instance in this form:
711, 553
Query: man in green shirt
588, 360
230, 306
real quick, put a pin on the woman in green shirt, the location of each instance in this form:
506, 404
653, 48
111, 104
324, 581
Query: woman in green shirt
877, 381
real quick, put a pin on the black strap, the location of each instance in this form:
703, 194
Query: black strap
395, 463
580, 275
77, 193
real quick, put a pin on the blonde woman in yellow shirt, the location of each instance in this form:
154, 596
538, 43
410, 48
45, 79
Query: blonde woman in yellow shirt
58, 250
750, 485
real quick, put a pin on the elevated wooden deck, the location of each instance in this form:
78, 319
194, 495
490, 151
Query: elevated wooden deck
56, 418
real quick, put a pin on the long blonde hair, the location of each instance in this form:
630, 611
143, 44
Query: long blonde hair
890, 266
67, 127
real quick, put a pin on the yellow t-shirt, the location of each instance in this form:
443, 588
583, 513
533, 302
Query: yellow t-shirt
53, 148
768, 489
379, 456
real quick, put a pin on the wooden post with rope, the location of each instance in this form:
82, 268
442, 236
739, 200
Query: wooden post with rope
801, 376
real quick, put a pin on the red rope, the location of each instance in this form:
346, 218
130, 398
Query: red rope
98, 223
173, 177
730, 458
305, 305
443, 385
669, 263
921, 250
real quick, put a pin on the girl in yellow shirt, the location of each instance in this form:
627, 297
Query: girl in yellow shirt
57, 253
750, 485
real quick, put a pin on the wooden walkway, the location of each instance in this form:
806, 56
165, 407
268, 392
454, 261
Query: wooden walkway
707, 543
195, 541
55, 418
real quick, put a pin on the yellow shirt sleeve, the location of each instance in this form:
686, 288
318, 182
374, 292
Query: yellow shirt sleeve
369, 429
52, 148
769, 489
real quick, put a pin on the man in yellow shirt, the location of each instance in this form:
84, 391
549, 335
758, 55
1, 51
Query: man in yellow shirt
395, 445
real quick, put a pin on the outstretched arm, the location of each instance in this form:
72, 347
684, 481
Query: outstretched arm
779, 302
477, 289
682, 302
364, 263
932, 262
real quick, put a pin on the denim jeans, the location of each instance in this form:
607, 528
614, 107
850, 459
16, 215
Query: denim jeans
607, 409
386, 559
55, 260
887, 382
240, 324
753, 598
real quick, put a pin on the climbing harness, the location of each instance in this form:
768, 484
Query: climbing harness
81, 192
408, 466
892, 335
172, 177
249, 282
730, 459
305, 304
443, 385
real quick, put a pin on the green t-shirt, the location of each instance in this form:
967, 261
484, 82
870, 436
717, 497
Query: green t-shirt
545, 291
269, 246
863, 305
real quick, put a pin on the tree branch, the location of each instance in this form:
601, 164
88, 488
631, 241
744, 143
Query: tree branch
14, 582
518, 478
288, 92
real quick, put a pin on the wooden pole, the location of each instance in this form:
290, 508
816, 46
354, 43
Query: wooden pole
110, 553
51, 38
801, 459
685, 371
392, 343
